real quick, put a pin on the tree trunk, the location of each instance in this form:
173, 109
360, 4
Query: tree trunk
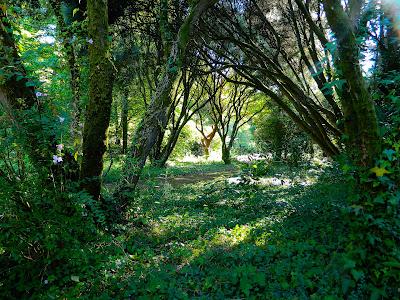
124, 121
156, 153
360, 120
15, 84
156, 115
117, 123
226, 153
170, 146
206, 141
100, 97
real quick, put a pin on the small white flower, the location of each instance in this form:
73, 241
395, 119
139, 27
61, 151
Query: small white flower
57, 159
61, 119
90, 41
39, 94
60, 147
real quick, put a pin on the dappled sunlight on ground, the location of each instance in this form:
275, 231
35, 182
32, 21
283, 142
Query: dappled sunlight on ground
212, 237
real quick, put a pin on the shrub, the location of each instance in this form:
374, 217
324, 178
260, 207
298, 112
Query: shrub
276, 134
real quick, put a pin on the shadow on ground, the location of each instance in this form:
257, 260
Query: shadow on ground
220, 241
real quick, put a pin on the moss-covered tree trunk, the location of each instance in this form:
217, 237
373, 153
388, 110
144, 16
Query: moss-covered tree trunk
124, 121
360, 119
100, 97
156, 115
14, 82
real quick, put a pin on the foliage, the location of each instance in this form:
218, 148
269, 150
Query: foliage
218, 240
289, 226
48, 240
373, 252
185, 142
276, 134
245, 142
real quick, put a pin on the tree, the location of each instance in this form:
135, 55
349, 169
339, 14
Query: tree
266, 53
207, 138
360, 120
156, 115
190, 96
19, 99
100, 97
231, 108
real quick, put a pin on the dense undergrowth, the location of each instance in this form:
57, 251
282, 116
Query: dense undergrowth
207, 240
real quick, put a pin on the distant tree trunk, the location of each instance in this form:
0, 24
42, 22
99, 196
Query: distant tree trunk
117, 123
124, 121
155, 153
226, 153
206, 141
166, 151
156, 115
361, 125
100, 97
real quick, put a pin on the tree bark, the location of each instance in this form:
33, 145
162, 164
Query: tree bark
100, 98
156, 115
15, 84
206, 141
360, 119
124, 121
226, 154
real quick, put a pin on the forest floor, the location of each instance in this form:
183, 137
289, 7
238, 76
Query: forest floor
278, 238
177, 175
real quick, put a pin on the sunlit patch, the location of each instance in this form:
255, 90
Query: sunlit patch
230, 237
392, 7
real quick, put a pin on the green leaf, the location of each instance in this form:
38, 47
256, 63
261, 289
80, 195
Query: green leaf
389, 153
346, 284
349, 264
379, 172
356, 274
394, 264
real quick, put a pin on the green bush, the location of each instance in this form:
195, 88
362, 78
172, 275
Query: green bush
46, 239
373, 214
276, 134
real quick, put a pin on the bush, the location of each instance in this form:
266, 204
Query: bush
276, 134
47, 239
373, 214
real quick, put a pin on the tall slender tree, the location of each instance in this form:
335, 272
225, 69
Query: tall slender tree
100, 97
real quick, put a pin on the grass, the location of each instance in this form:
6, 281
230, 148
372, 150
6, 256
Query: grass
215, 240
